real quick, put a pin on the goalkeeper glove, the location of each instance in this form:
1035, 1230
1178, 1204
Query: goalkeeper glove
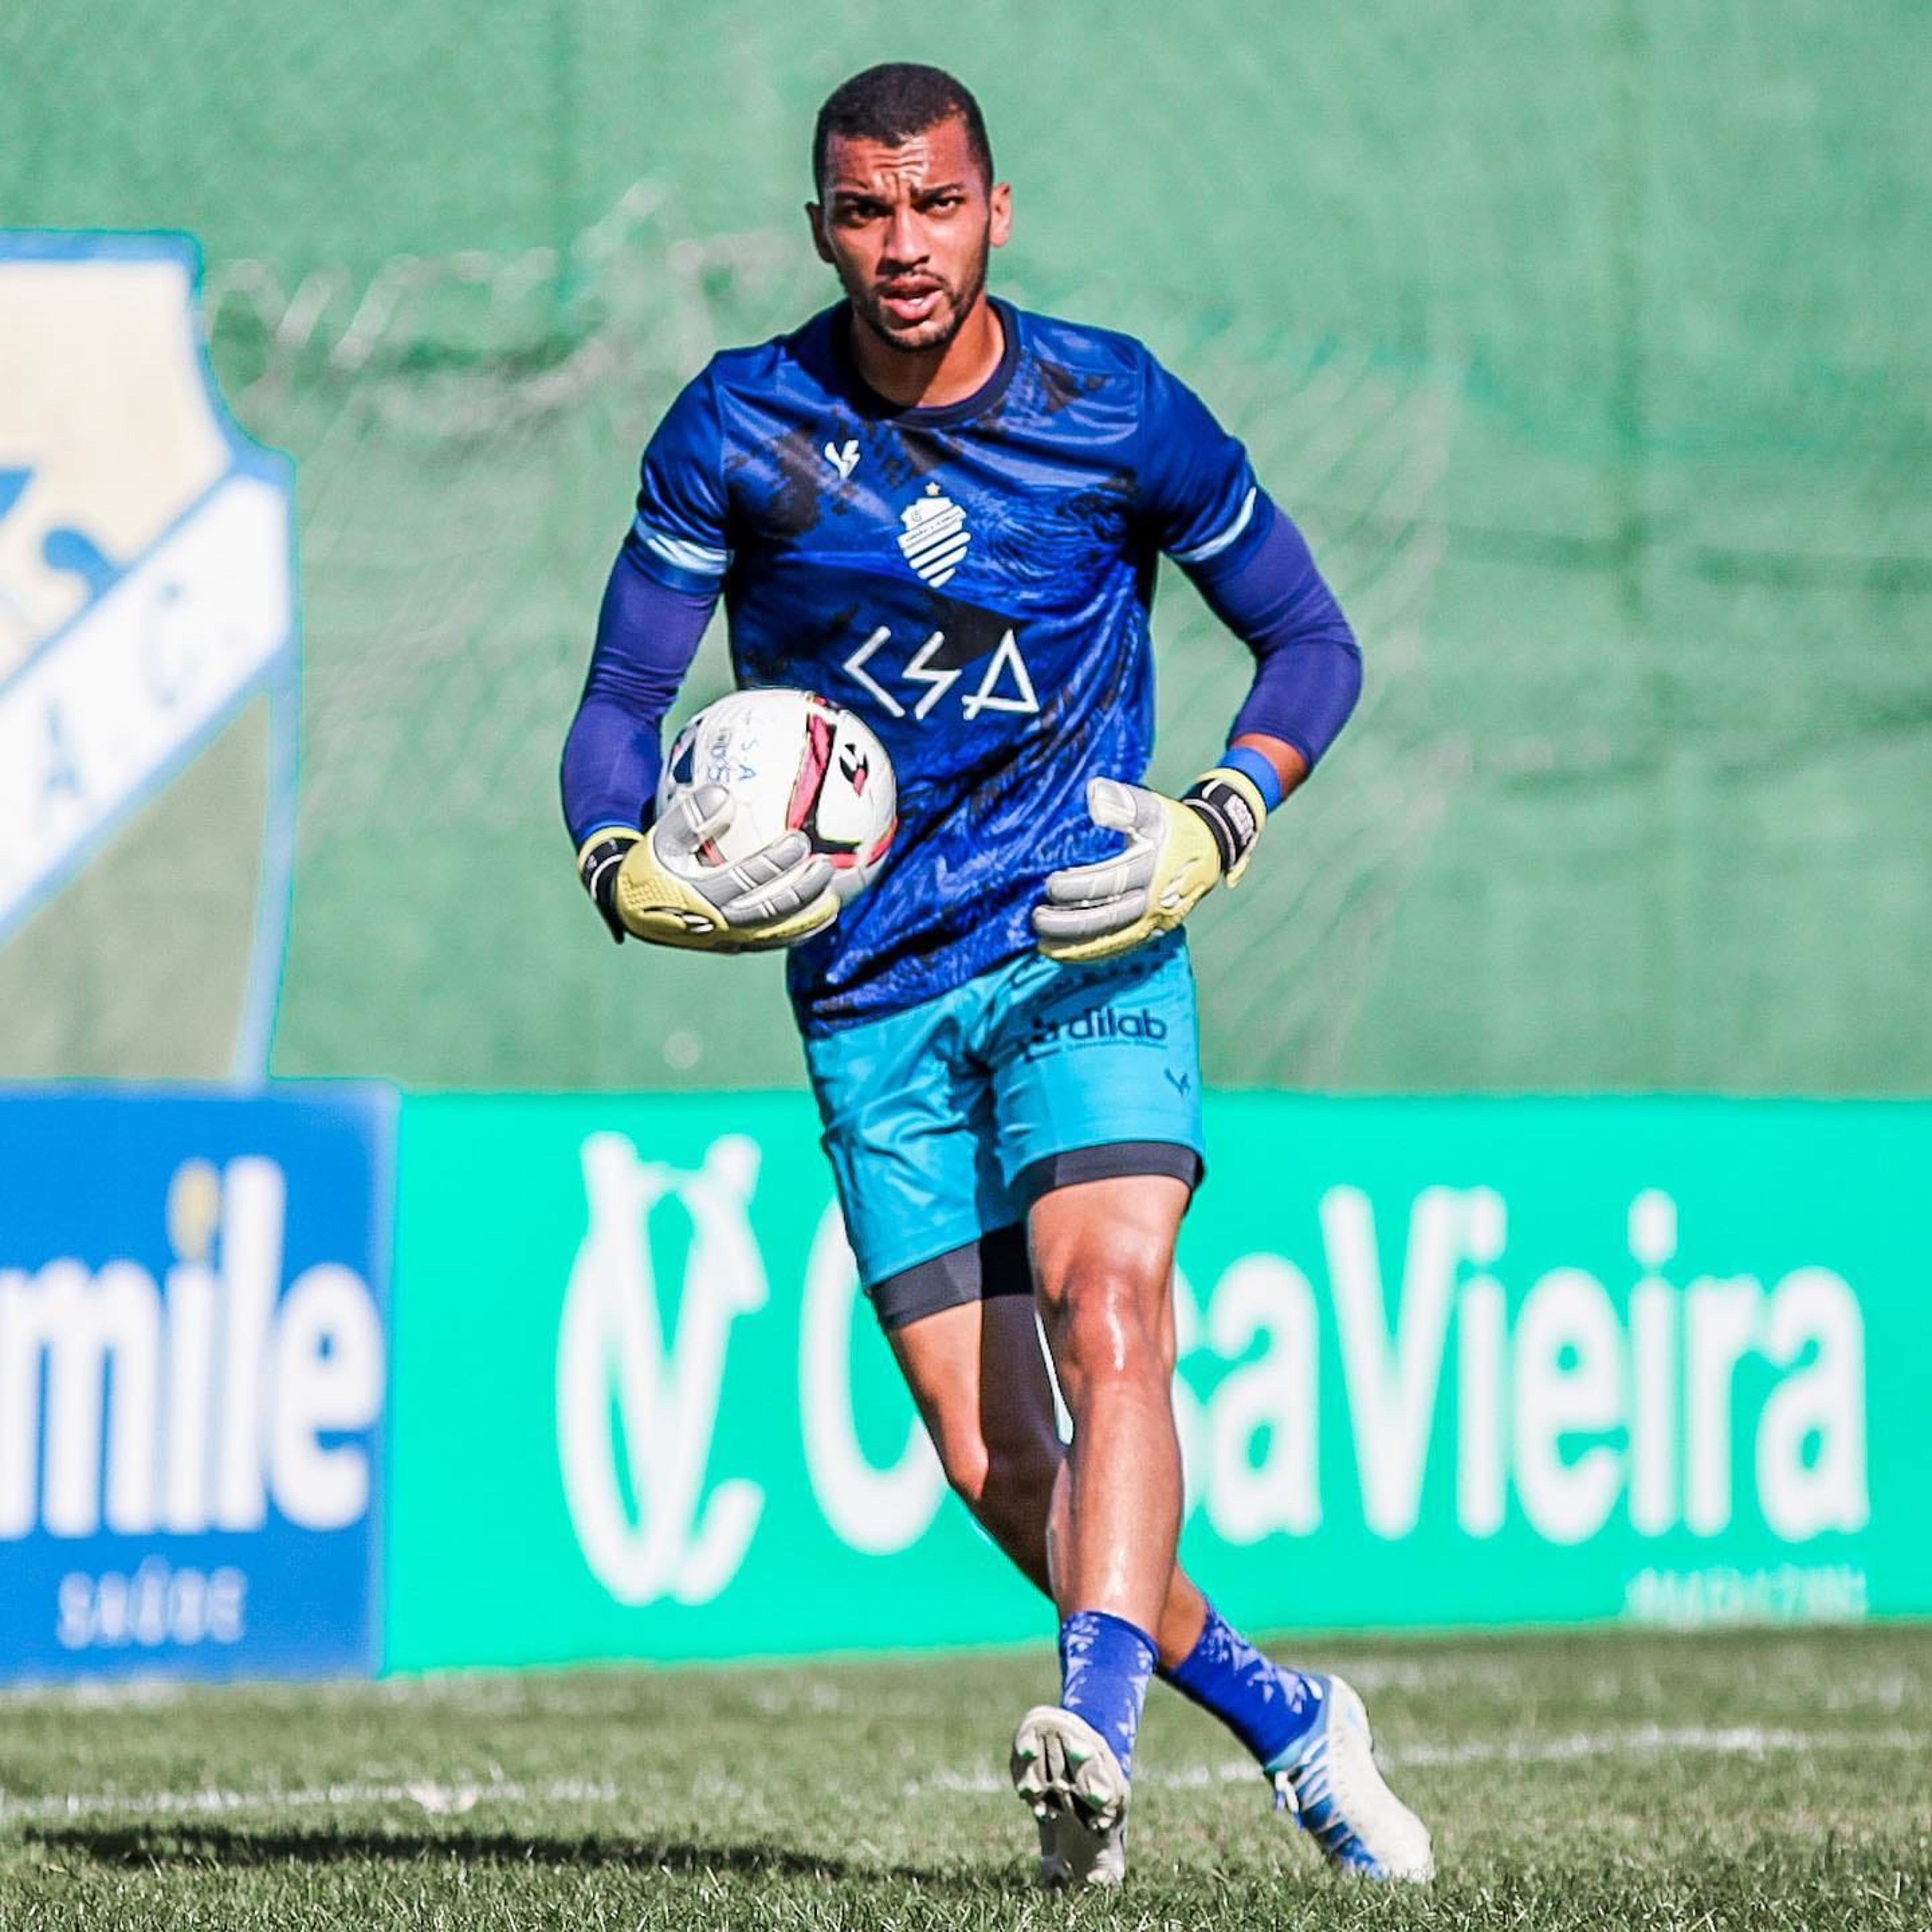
649, 885
1178, 850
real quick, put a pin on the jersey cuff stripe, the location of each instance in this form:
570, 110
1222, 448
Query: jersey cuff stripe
1214, 546
699, 559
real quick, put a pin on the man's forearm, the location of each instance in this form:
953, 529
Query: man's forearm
1308, 669
646, 636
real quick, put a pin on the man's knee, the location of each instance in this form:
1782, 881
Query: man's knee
965, 1459
986, 1475
1103, 1315
1103, 1265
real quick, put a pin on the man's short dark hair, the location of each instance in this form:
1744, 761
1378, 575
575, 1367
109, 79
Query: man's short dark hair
891, 104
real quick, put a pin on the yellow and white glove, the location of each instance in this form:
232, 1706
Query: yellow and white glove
1178, 850
776, 897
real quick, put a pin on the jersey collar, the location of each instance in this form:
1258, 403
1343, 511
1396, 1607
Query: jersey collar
870, 403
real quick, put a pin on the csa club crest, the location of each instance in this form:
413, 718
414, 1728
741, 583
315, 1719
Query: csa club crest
935, 538
146, 607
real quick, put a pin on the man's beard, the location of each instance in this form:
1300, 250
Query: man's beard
935, 334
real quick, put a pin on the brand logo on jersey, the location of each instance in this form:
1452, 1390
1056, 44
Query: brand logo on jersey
935, 538
1004, 684
1097, 1024
844, 459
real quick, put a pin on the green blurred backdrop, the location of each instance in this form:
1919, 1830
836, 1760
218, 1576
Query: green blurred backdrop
1587, 338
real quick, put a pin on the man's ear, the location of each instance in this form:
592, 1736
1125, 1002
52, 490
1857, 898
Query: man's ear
1000, 223
814, 216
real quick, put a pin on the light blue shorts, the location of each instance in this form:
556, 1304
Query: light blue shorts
945, 1123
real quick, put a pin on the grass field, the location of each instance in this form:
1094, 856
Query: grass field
1769, 1780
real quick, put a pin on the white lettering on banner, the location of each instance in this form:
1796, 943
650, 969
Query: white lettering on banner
1392, 1379
1814, 1308
1274, 1399
1654, 1398
1653, 1384
129, 1434
188, 1454
1720, 1318
874, 1510
679, 1541
86, 1329
1568, 1382
101, 712
1570, 1409
1482, 1388
327, 1352
1789, 1593
157, 1604
254, 1246
1482, 1469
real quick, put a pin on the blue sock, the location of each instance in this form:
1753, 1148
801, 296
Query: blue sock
1104, 1663
1268, 1708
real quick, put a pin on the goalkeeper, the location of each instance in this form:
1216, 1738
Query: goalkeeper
946, 513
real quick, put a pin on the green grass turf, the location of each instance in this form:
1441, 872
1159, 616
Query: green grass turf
1764, 1780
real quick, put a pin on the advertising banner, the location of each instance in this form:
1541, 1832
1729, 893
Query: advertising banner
193, 1376
1442, 1363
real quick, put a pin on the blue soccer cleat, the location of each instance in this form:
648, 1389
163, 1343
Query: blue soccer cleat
1328, 1779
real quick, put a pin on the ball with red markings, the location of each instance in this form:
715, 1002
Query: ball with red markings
791, 762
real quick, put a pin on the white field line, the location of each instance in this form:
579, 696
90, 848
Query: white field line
588, 1694
1732, 1741
1649, 1740
440, 1800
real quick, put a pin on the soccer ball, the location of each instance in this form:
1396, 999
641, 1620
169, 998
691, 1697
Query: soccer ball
791, 762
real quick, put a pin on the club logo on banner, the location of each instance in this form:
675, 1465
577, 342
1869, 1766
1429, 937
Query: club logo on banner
192, 1369
682, 1537
680, 1540
146, 591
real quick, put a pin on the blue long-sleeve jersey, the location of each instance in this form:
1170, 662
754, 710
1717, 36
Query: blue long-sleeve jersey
975, 581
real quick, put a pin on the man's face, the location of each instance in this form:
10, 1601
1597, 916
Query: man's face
908, 228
